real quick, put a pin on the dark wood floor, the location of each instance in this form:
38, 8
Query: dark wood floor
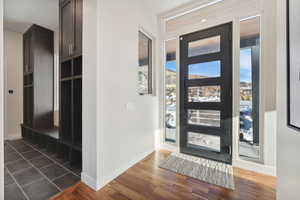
146, 180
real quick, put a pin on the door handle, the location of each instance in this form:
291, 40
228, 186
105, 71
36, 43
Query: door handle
71, 48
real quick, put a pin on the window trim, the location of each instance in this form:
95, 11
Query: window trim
151, 67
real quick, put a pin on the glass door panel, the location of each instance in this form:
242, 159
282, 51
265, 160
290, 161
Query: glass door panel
204, 94
205, 70
204, 142
204, 117
204, 46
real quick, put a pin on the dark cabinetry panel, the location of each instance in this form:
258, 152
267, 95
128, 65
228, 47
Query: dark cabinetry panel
78, 27
70, 133
66, 111
27, 68
71, 102
70, 28
38, 66
70, 128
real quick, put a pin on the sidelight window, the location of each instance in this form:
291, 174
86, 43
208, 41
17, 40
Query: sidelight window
249, 139
170, 91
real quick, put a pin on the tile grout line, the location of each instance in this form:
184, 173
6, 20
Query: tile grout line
33, 182
55, 161
40, 172
19, 170
18, 185
27, 167
23, 151
10, 162
60, 176
47, 165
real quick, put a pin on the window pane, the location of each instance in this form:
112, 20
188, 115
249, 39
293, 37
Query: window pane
204, 94
204, 46
205, 70
145, 64
249, 88
205, 142
170, 91
204, 117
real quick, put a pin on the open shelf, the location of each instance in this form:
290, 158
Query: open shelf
75, 158
28, 86
77, 111
71, 105
77, 68
66, 69
28, 105
66, 111
70, 134
71, 78
28, 79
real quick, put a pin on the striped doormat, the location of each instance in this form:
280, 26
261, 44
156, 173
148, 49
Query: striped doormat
199, 168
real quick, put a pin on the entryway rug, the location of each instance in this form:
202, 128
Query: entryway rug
199, 168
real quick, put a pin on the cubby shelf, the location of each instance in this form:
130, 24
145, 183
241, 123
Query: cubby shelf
70, 132
71, 103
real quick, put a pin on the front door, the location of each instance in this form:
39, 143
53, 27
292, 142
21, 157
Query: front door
206, 93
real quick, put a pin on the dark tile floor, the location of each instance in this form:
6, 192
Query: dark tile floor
32, 173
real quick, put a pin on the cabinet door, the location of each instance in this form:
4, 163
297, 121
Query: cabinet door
67, 27
26, 50
61, 1
78, 27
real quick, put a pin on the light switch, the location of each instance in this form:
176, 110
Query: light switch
130, 106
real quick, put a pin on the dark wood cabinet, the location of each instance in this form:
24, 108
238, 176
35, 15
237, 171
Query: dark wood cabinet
26, 51
70, 28
38, 58
66, 140
70, 128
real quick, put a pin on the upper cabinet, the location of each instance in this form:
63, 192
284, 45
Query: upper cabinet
26, 50
70, 28
38, 59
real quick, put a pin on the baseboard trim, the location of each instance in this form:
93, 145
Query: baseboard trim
169, 147
14, 136
121, 170
91, 182
255, 167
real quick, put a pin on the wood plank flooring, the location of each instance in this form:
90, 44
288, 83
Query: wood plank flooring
146, 181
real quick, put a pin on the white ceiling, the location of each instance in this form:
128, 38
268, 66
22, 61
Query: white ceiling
20, 14
160, 6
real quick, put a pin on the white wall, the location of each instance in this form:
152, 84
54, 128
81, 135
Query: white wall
1, 105
13, 67
129, 120
288, 162
91, 122
118, 124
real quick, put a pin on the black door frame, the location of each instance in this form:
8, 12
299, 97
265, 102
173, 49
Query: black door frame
225, 81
